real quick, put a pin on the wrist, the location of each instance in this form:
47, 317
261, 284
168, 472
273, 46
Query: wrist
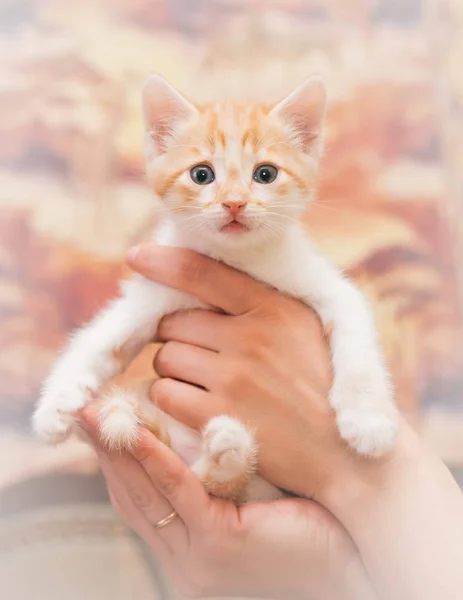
404, 514
358, 482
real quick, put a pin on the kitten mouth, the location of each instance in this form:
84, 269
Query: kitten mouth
234, 227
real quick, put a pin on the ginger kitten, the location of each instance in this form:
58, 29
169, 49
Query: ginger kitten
235, 179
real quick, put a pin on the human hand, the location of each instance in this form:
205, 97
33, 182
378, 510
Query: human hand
290, 548
266, 362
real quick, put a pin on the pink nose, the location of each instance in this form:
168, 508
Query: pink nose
234, 207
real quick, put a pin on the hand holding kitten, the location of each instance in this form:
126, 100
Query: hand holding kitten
290, 549
267, 364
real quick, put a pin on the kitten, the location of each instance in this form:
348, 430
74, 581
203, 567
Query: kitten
235, 179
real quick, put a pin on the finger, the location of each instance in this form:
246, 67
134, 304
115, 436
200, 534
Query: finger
137, 486
174, 480
149, 501
202, 328
133, 516
186, 403
187, 363
212, 282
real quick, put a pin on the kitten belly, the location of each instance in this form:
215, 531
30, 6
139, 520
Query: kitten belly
184, 441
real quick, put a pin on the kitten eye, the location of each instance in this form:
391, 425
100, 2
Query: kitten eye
265, 174
202, 174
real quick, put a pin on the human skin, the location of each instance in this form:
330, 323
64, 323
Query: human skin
287, 549
266, 362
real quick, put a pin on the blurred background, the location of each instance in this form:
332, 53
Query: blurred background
73, 198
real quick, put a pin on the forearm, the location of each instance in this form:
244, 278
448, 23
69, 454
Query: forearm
350, 583
357, 583
406, 517
345, 580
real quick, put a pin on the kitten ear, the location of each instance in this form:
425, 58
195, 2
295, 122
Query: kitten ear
164, 110
304, 110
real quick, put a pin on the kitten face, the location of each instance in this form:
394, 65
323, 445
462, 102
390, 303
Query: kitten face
231, 172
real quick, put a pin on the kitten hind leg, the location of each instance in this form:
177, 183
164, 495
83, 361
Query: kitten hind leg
228, 459
123, 410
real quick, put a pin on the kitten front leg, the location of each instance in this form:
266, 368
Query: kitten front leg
100, 351
362, 393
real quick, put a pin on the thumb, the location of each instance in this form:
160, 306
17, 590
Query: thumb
209, 281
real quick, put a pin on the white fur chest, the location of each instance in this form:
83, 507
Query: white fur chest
284, 263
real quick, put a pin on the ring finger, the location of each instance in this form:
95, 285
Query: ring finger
148, 500
131, 514
134, 487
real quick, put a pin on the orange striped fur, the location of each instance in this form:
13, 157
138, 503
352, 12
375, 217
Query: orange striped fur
233, 138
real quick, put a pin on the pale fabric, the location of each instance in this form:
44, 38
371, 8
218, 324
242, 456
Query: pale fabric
73, 553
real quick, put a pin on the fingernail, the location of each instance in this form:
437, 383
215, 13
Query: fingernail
132, 253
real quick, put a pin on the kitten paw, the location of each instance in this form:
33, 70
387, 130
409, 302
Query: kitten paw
54, 416
118, 423
369, 432
51, 425
230, 448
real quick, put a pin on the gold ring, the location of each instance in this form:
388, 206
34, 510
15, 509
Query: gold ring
163, 522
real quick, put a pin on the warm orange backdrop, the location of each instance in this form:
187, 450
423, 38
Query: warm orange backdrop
72, 195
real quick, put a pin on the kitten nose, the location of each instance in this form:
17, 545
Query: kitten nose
234, 206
